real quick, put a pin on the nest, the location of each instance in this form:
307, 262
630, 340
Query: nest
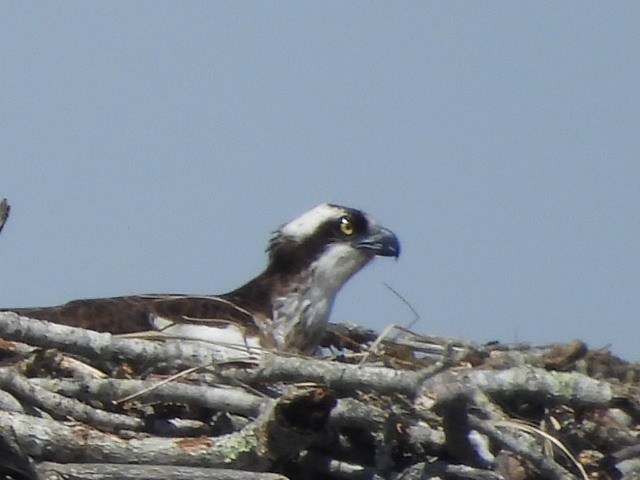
80, 404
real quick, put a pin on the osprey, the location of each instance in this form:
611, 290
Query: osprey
286, 307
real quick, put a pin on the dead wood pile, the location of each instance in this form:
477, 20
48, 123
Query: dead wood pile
80, 404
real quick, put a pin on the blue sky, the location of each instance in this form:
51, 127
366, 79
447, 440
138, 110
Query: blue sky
152, 146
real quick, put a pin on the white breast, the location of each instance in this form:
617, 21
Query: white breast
301, 316
300, 321
230, 342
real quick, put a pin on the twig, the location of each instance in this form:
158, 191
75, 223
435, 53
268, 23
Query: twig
5, 209
228, 399
13, 381
438, 470
92, 344
147, 389
328, 467
416, 315
545, 466
280, 432
523, 383
518, 425
374, 346
110, 471
337, 376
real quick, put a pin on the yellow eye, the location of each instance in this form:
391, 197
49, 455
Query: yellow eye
346, 227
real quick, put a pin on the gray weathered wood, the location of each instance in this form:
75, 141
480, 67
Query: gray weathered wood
110, 471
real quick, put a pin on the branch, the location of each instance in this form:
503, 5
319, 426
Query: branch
521, 383
438, 470
102, 345
109, 471
228, 399
280, 432
543, 464
19, 386
337, 376
5, 208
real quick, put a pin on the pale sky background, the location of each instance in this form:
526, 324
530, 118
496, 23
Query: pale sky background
151, 147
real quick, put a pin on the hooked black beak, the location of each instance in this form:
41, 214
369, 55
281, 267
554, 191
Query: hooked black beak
380, 241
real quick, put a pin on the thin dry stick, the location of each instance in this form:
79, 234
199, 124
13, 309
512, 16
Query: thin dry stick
5, 208
525, 427
389, 328
178, 375
374, 346
416, 315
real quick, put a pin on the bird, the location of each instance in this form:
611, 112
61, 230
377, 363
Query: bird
284, 308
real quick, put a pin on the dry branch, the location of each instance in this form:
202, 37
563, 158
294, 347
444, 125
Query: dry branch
275, 433
228, 399
106, 471
104, 346
342, 377
5, 208
13, 382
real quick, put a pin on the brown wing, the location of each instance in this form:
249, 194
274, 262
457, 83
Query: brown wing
134, 313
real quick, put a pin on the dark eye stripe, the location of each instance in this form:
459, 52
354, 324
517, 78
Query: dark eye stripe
358, 221
286, 255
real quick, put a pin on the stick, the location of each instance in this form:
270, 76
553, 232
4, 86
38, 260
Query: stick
5, 208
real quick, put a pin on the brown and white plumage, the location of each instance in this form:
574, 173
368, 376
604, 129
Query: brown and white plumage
286, 307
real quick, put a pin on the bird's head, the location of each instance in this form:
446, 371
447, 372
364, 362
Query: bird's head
331, 241
310, 258
313, 256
